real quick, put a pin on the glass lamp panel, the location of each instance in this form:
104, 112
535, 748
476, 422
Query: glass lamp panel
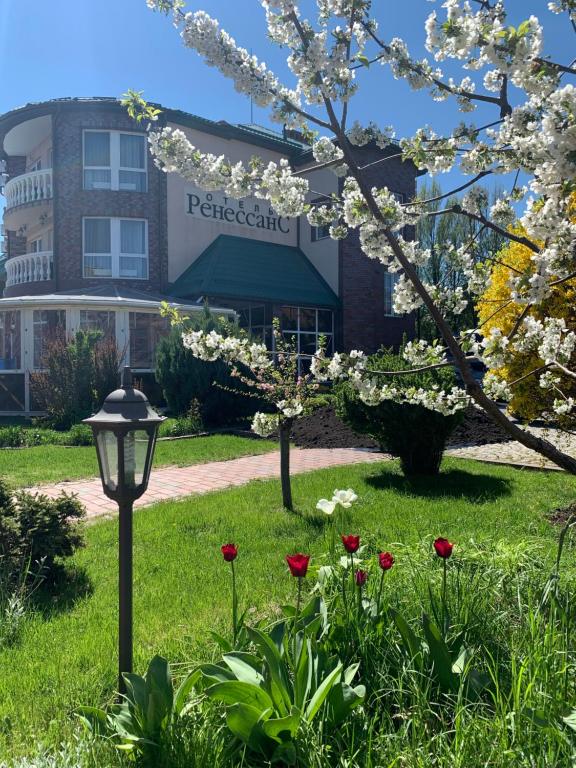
135, 453
107, 445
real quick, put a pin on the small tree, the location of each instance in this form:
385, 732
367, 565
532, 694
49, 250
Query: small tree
185, 378
532, 131
78, 373
270, 376
416, 434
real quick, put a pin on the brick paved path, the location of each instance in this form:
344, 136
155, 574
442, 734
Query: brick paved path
175, 482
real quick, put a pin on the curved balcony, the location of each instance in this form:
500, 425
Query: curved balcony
29, 188
29, 268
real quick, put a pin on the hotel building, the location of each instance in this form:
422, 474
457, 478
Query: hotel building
95, 236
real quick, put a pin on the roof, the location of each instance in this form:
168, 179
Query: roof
105, 295
241, 268
252, 134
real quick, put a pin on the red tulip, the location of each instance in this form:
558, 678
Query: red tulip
443, 548
386, 560
298, 564
360, 577
229, 552
351, 543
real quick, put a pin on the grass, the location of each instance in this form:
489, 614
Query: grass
55, 463
67, 655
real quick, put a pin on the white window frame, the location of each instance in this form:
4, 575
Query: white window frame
115, 240
115, 168
298, 332
390, 279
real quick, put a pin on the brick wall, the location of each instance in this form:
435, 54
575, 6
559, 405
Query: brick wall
363, 323
72, 203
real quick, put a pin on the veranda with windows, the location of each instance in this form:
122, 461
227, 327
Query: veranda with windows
27, 323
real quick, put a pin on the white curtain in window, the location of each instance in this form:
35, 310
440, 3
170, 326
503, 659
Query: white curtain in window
132, 151
132, 237
97, 236
96, 148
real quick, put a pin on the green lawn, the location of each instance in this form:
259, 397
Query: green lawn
67, 655
56, 463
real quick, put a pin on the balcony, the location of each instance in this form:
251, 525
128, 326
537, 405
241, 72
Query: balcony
29, 188
29, 268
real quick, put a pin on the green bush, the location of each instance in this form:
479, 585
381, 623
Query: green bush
78, 373
12, 437
414, 433
185, 378
78, 434
189, 424
35, 529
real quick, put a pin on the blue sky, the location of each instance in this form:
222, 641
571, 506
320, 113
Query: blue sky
103, 47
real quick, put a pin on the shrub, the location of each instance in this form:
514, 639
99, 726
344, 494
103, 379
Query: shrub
78, 374
35, 529
185, 378
12, 437
78, 434
414, 433
189, 424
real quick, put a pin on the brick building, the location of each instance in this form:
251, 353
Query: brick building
95, 236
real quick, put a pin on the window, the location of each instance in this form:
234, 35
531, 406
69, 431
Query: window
98, 320
10, 359
304, 326
116, 248
146, 330
390, 280
257, 319
48, 324
114, 160
319, 233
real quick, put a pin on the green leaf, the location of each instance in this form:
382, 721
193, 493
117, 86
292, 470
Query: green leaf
283, 728
216, 673
242, 669
342, 700
237, 692
224, 644
184, 689
570, 720
412, 643
279, 680
242, 720
96, 720
442, 663
322, 692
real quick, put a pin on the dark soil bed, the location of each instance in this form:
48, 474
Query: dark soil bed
323, 429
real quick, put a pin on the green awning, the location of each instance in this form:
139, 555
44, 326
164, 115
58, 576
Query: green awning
253, 270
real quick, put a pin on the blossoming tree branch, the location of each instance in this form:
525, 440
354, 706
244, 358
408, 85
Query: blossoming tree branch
532, 135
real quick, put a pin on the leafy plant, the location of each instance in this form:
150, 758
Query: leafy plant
416, 434
433, 658
141, 723
184, 378
35, 529
285, 684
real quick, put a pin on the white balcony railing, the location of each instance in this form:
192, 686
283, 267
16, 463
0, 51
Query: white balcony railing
29, 188
29, 268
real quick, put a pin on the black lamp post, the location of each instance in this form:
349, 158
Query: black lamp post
125, 431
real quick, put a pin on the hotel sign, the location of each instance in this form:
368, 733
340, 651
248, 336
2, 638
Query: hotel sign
242, 213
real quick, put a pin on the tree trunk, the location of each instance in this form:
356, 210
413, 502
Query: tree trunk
285, 430
543, 447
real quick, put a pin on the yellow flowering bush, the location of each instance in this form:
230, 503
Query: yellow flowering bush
497, 310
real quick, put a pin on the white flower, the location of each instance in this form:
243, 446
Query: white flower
326, 506
344, 498
265, 424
